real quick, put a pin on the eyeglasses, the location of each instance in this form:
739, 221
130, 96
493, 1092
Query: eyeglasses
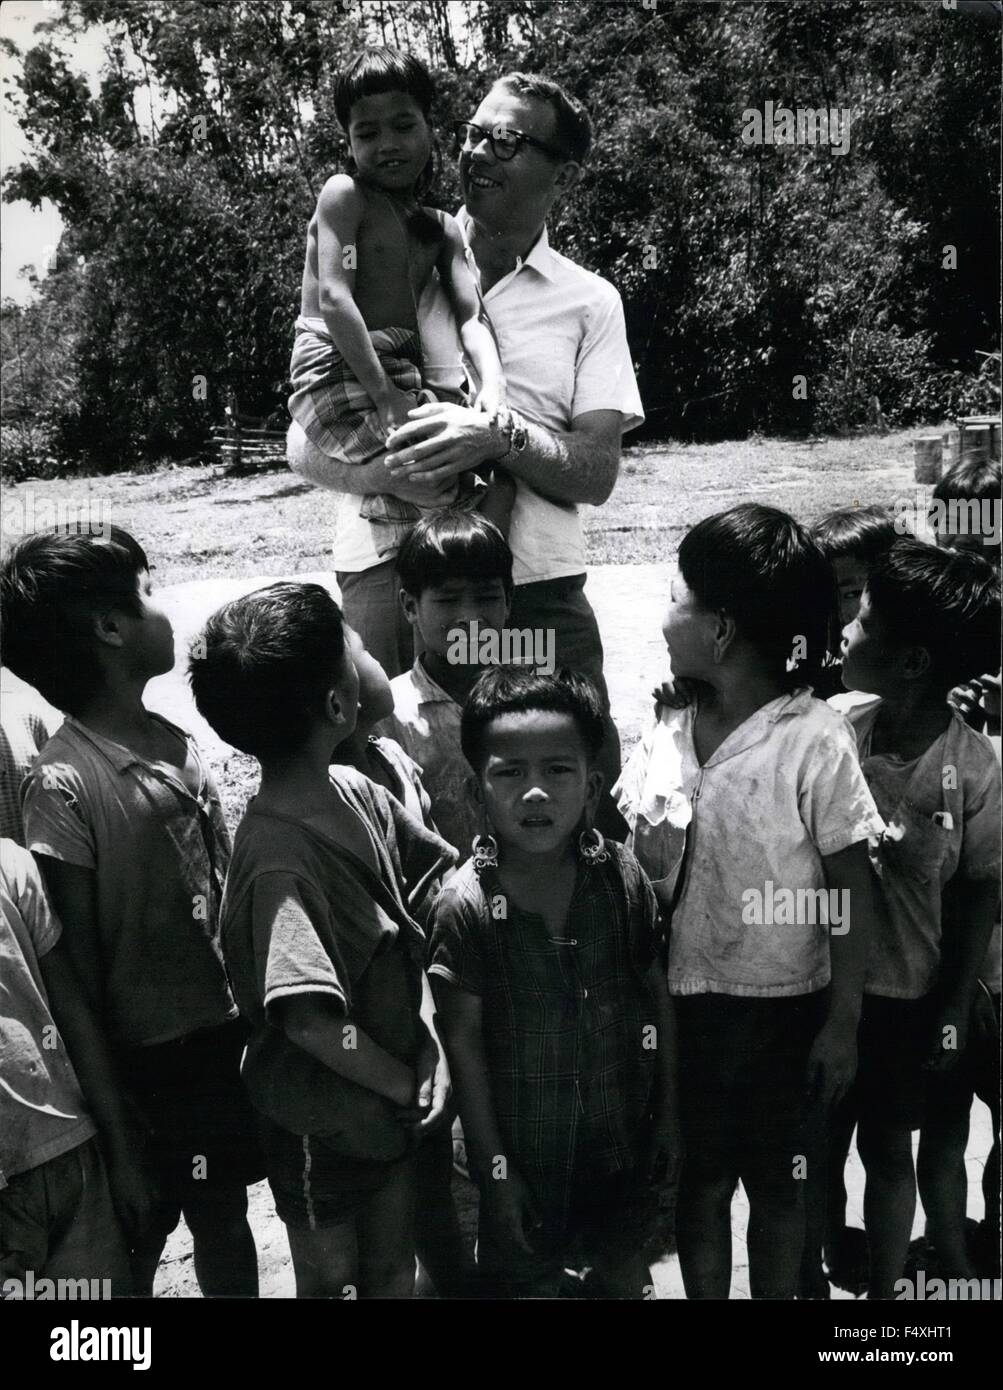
504, 141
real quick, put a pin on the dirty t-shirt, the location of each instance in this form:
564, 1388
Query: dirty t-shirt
42, 1109
159, 856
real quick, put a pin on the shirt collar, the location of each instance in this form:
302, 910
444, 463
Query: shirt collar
541, 258
122, 758
429, 693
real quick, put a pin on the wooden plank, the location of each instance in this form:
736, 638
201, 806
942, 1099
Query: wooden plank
927, 457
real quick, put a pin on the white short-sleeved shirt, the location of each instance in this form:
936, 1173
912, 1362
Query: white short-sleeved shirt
42, 1110
563, 344
942, 813
781, 791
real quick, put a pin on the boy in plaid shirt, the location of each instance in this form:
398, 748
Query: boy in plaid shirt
556, 1012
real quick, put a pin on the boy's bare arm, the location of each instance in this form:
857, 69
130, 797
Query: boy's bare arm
833, 1061
969, 915
511, 1206
339, 217
313, 1023
72, 891
475, 333
88, 1051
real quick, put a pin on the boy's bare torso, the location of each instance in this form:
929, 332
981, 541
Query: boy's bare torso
394, 257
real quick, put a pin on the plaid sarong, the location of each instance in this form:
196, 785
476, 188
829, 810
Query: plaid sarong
337, 415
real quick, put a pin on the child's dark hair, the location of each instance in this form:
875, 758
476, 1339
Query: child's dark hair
453, 544
516, 690
52, 586
572, 124
761, 567
947, 601
262, 666
970, 480
860, 533
376, 69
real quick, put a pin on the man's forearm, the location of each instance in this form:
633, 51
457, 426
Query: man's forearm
567, 466
334, 474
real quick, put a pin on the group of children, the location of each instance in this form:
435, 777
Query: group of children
425, 921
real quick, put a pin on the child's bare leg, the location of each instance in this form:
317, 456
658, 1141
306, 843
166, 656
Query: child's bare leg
438, 1239
775, 1234
226, 1261
144, 1257
703, 1231
889, 1200
386, 1237
943, 1189
325, 1261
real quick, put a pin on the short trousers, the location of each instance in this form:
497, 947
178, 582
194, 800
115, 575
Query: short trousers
57, 1220
313, 1186
893, 1042
200, 1126
371, 605
743, 1097
977, 1073
612, 1215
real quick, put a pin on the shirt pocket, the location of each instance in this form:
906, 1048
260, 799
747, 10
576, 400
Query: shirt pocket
914, 845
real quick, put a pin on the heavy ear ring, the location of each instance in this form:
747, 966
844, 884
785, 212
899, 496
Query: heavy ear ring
484, 849
592, 847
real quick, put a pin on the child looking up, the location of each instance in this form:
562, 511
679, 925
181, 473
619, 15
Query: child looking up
124, 820
544, 953
747, 805
325, 957
455, 573
928, 618
357, 364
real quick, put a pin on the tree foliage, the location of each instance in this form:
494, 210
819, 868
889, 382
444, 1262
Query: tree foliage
186, 180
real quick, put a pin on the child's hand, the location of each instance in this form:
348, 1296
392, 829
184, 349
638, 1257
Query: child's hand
950, 1038
491, 400
132, 1193
434, 1086
511, 1210
832, 1064
393, 407
674, 694
664, 1153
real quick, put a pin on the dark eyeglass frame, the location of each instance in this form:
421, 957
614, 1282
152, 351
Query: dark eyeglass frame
460, 129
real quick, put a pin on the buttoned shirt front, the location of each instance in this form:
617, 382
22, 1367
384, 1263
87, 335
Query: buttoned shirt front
784, 789
563, 345
564, 1020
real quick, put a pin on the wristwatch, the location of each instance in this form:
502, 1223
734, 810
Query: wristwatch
516, 434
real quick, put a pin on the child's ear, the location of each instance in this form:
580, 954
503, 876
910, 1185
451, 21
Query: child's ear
473, 786
724, 635
594, 786
107, 627
916, 663
409, 604
336, 710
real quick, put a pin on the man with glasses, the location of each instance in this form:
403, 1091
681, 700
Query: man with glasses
571, 386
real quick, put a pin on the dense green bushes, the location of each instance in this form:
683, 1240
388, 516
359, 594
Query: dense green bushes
743, 267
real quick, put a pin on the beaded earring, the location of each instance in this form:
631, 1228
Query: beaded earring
592, 847
485, 852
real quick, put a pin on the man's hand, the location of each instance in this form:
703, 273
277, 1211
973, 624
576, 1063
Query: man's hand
440, 442
832, 1063
511, 1210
